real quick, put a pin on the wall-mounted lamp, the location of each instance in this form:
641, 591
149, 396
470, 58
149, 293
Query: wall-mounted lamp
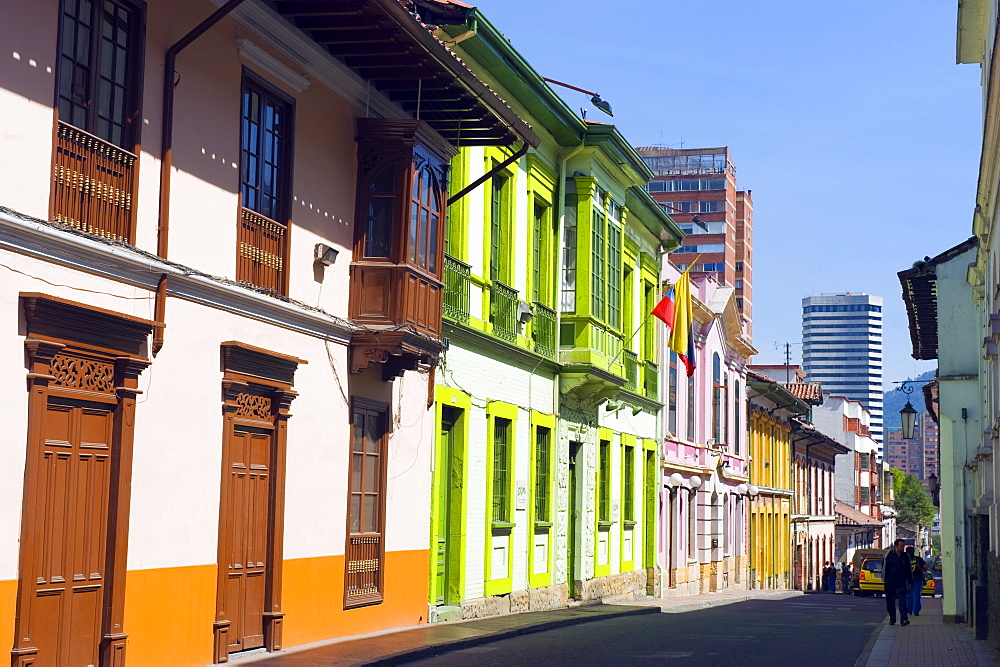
324, 254
935, 489
595, 99
611, 406
524, 313
908, 415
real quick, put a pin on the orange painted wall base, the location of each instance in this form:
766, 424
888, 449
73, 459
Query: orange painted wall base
313, 598
8, 608
169, 611
168, 615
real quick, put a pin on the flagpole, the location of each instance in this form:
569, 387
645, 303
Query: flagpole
625, 342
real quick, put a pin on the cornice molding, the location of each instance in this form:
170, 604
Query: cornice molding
126, 265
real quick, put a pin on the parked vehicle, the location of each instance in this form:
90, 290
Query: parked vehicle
867, 571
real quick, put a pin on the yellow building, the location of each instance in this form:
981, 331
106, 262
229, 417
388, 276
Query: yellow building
771, 408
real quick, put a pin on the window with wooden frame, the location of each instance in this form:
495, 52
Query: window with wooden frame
628, 483
543, 473
718, 397
614, 291
501, 451
98, 96
266, 133
364, 569
737, 409
691, 399
604, 481
498, 227
598, 236
542, 241
401, 195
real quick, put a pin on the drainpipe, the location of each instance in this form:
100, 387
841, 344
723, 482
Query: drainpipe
166, 159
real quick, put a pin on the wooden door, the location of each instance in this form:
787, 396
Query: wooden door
248, 508
443, 507
68, 530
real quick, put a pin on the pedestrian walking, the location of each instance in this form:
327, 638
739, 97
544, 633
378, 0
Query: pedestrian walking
845, 578
919, 577
829, 577
897, 576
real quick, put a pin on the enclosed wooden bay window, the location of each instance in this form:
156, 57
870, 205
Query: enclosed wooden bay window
94, 163
399, 225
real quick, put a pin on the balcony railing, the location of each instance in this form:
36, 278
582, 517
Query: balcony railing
261, 247
543, 330
93, 183
651, 380
456, 290
503, 311
631, 362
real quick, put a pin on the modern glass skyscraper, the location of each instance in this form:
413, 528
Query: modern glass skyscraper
842, 348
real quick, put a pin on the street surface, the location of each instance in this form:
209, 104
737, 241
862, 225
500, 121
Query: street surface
820, 629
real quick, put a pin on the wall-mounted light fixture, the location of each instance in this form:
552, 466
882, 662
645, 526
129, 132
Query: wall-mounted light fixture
908, 415
595, 99
324, 254
524, 313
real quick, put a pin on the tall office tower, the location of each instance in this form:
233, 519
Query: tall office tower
697, 186
842, 348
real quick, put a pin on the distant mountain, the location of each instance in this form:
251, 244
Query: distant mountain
895, 400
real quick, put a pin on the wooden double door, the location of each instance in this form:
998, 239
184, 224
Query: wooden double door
66, 522
244, 533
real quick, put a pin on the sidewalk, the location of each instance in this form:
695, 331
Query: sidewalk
928, 640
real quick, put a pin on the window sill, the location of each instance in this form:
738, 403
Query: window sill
628, 523
543, 524
604, 525
502, 525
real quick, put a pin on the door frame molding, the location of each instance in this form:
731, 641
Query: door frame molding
249, 372
78, 351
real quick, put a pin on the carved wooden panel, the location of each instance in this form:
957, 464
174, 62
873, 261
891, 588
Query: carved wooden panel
79, 373
253, 405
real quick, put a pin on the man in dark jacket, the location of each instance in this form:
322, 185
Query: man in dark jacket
897, 575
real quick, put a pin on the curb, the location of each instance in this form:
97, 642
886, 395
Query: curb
424, 651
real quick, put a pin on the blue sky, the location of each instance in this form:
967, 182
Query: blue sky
849, 120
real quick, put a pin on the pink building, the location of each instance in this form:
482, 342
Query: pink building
703, 543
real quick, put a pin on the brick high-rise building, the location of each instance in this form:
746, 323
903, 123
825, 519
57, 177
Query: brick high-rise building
697, 186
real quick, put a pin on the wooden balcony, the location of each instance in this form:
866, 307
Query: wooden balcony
93, 185
391, 294
543, 330
457, 277
503, 311
261, 252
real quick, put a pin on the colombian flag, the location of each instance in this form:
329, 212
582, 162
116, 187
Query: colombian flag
681, 331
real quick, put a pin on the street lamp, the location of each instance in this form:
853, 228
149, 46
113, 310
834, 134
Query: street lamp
935, 488
595, 99
908, 415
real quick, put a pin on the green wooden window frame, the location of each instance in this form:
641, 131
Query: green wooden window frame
543, 473
614, 295
672, 393
498, 213
598, 238
501, 481
718, 395
649, 328
628, 483
604, 481
691, 401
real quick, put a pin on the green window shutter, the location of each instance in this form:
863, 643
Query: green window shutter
542, 472
537, 232
501, 470
597, 264
614, 276
628, 484
497, 193
604, 482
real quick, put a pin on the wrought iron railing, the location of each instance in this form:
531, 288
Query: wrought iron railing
503, 311
631, 362
651, 380
456, 290
543, 330
93, 185
261, 247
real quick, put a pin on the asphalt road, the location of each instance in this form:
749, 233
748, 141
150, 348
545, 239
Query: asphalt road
819, 629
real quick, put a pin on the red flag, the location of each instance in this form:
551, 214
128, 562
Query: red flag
664, 310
